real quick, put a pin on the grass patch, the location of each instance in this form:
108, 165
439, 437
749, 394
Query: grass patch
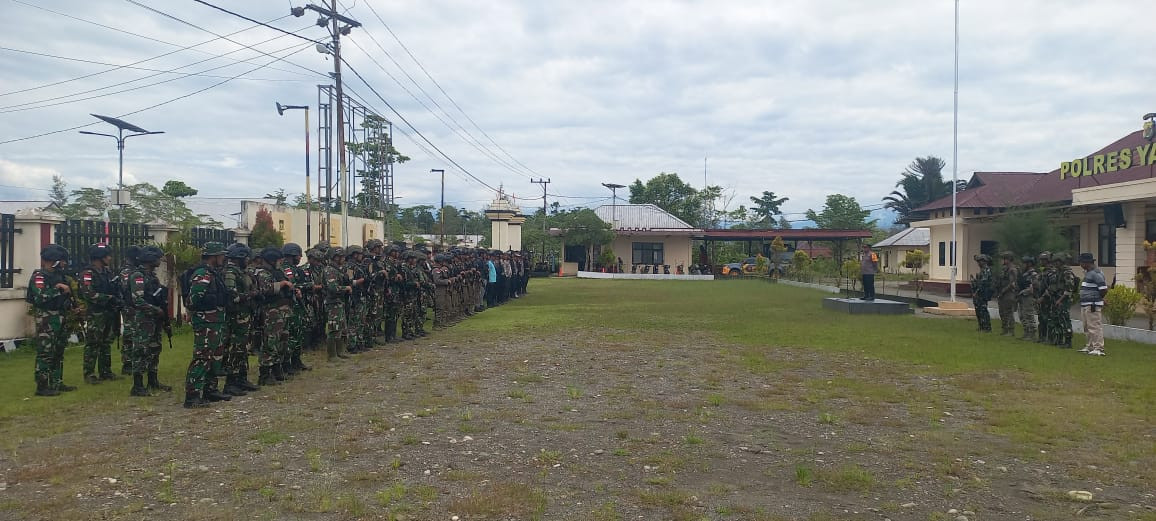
516, 500
269, 437
852, 478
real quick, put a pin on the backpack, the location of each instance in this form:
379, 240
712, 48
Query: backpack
185, 280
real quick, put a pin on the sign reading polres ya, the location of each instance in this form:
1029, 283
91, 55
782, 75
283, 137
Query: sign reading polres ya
1109, 162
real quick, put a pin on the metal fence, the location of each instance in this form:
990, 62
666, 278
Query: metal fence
7, 250
199, 236
77, 236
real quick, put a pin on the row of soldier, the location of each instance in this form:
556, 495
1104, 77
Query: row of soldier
265, 302
1040, 288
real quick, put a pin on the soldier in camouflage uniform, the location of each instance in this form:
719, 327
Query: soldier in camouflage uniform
1008, 293
314, 297
1064, 283
1044, 298
336, 289
442, 294
149, 302
51, 298
100, 290
296, 320
358, 332
981, 290
395, 290
275, 294
239, 318
127, 333
411, 296
207, 298
375, 266
1027, 284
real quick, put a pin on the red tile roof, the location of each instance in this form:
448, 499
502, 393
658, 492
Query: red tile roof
1007, 189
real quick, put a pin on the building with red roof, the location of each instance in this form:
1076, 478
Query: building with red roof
1104, 203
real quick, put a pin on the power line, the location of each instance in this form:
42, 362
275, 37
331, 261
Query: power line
181, 75
150, 38
489, 154
263, 24
114, 67
443, 91
150, 107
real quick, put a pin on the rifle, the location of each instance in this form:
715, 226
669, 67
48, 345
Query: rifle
160, 299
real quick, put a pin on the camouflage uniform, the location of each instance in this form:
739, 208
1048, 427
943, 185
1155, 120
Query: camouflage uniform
336, 287
1044, 299
50, 305
395, 290
295, 323
239, 318
274, 310
149, 317
442, 294
127, 332
1063, 284
1028, 283
1008, 294
100, 291
981, 290
358, 305
411, 296
207, 298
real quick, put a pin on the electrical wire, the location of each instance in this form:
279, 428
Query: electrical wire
443, 91
114, 67
44, 103
150, 38
238, 15
166, 102
471, 140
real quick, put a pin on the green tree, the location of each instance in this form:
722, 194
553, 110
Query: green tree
279, 197
783, 224
174, 188
417, 219
148, 205
841, 213
59, 193
920, 183
264, 234
586, 228
766, 208
378, 155
669, 192
180, 255
1028, 231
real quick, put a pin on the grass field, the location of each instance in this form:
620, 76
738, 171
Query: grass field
616, 400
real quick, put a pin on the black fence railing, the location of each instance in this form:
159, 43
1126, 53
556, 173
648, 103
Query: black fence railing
77, 236
7, 250
199, 236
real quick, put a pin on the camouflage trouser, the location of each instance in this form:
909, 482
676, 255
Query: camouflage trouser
51, 339
208, 349
1028, 316
334, 319
295, 326
1007, 312
98, 343
392, 313
441, 307
1062, 323
273, 347
146, 342
1044, 315
237, 344
357, 324
409, 313
126, 334
981, 313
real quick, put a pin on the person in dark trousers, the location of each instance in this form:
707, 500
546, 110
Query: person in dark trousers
868, 265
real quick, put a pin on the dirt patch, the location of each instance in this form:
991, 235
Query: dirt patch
580, 424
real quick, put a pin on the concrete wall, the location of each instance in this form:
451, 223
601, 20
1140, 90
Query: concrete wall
891, 258
292, 224
675, 249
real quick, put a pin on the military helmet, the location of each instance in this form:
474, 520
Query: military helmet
1007, 254
271, 254
131, 253
1044, 256
213, 248
53, 253
336, 252
1062, 257
356, 248
321, 246
150, 254
982, 257
237, 251
373, 243
291, 249
1028, 259
99, 251
315, 253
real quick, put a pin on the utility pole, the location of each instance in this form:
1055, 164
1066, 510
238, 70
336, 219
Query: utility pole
332, 20
543, 182
442, 210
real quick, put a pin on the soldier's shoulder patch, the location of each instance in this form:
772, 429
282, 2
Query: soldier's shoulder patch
288, 271
203, 278
86, 277
38, 281
139, 279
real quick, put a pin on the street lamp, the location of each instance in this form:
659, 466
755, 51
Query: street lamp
613, 202
442, 211
121, 125
308, 195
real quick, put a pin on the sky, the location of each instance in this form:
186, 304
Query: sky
805, 98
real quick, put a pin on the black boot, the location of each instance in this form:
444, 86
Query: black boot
214, 395
231, 387
126, 369
266, 376
244, 383
299, 364
289, 368
154, 383
42, 389
277, 373
341, 351
195, 401
138, 386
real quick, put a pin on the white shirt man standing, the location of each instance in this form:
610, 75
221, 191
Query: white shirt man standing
1092, 291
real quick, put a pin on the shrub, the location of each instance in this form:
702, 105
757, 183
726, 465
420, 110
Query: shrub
801, 266
1120, 304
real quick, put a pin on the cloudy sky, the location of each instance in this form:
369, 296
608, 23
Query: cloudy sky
801, 97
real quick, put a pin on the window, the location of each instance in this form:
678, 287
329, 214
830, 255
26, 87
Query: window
1107, 245
1150, 230
942, 253
989, 248
1072, 235
280, 225
646, 253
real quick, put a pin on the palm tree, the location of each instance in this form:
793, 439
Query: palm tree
921, 183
